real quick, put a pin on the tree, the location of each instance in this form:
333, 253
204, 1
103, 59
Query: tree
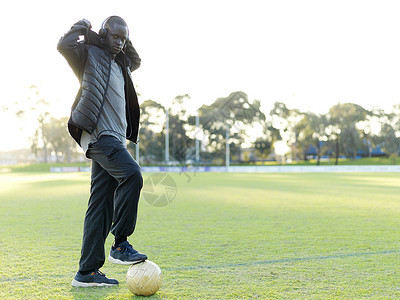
389, 140
388, 136
370, 132
311, 131
350, 138
181, 144
39, 141
151, 133
263, 145
52, 137
234, 112
63, 146
343, 119
287, 121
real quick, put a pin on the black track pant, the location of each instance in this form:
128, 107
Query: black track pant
116, 182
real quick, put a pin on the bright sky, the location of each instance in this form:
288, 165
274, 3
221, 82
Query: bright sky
308, 54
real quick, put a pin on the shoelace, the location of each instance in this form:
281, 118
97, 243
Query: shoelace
128, 249
99, 272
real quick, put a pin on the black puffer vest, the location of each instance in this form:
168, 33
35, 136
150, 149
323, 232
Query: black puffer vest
94, 87
89, 102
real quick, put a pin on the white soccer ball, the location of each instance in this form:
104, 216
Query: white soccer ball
144, 278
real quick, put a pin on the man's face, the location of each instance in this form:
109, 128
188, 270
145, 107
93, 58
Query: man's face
116, 38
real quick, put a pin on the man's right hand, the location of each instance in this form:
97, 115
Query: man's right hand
87, 22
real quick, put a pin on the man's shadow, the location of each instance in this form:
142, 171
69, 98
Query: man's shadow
105, 292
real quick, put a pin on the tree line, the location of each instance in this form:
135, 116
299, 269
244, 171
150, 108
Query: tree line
347, 129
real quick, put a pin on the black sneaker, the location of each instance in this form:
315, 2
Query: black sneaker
124, 254
95, 278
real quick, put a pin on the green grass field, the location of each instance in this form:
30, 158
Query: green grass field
225, 236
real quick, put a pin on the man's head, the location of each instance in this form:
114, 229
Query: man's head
114, 33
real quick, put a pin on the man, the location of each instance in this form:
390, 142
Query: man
105, 113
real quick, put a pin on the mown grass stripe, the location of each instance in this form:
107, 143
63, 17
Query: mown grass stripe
284, 260
265, 262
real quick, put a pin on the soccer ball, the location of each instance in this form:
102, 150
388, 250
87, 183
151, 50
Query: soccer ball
144, 279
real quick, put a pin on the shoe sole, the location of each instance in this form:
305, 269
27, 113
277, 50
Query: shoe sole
76, 283
121, 262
